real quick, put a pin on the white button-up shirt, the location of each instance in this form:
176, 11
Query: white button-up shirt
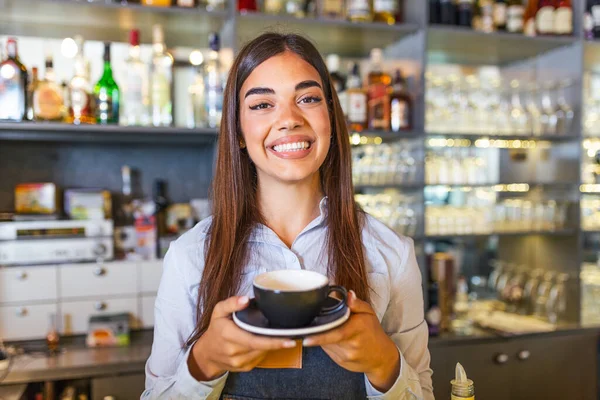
396, 297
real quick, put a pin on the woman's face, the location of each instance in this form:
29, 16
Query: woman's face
284, 119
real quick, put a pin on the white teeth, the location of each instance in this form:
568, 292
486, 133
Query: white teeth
288, 147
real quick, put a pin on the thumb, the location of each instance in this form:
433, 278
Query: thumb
225, 308
358, 306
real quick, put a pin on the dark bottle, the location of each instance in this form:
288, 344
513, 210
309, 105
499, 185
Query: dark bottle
434, 12
107, 94
447, 12
464, 13
13, 85
356, 101
125, 235
400, 105
161, 202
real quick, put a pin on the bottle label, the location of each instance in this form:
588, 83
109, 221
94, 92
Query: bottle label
500, 14
333, 7
399, 115
514, 22
545, 20
12, 93
80, 103
357, 108
47, 103
104, 107
385, 6
563, 21
161, 99
359, 8
379, 113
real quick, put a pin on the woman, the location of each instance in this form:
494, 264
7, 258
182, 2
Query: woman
283, 198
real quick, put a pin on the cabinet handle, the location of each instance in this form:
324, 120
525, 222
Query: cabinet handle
22, 275
523, 355
101, 306
21, 312
100, 271
501, 358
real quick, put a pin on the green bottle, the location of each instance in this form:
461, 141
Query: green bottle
107, 94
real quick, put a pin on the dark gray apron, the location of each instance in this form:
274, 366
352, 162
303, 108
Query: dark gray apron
318, 379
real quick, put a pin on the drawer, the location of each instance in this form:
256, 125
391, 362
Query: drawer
97, 280
76, 314
25, 322
150, 273
23, 284
147, 310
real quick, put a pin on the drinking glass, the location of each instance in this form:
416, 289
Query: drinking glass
564, 112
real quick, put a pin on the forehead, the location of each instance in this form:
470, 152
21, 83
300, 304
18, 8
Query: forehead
284, 69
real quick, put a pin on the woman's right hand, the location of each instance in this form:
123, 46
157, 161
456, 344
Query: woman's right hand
225, 347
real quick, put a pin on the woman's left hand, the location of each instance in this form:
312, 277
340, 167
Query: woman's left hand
361, 345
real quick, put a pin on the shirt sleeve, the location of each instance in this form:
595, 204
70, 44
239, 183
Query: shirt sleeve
167, 372
404, 322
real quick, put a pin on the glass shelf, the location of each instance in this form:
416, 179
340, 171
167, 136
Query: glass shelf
454, 44
562, 232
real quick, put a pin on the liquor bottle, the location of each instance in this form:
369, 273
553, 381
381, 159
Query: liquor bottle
563, 17
434, 12
595, 12
486, 9
529, 21
386, 11
400, 105
357, 101
161, 78
338, 80
247, 6
378, 83
500, 11
107, 94
13, 85
447, 12
197, 101
588, 21
214, 83
462, 387
273, 7
359, 10
334, 9
161, 203
464, 13
514, 16
186, 3
544, 18
33, 82
81, 110
215, 5
135, 104
52, 337
125, 237
48, 101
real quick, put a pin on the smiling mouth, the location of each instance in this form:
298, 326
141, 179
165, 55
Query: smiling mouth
291, 147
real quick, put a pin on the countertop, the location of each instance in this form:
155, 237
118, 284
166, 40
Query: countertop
76, 361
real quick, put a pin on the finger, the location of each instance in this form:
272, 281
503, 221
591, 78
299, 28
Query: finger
225, 308
358, 306
246, 362
332, 337
247, 341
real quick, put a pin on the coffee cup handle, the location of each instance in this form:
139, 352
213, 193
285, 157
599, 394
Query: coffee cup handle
333, 309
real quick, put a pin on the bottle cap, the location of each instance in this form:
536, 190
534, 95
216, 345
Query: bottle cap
134, 37
333, 63
106, 51
214, 42
11, 47
158, 35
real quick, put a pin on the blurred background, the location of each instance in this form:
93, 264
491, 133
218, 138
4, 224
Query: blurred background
475, 131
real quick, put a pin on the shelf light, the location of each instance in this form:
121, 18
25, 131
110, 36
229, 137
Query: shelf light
512, 187
590, 188
358, 139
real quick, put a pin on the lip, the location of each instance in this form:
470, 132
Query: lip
291, 155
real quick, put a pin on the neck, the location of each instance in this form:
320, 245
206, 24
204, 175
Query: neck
289, 208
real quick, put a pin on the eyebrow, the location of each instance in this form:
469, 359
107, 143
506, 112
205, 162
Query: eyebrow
299, 86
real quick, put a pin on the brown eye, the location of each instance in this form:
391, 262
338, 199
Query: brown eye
310, 99
261, 106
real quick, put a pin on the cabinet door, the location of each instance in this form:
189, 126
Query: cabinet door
91, 280
147, 311
119, 387
492, 379
76, 314
25, 322
24, 284
150, 273
556, 367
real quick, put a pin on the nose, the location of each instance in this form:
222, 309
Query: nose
290, 117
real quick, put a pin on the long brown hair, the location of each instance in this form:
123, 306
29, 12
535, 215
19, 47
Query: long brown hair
235, 209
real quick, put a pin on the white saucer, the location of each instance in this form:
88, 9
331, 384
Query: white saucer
252, 320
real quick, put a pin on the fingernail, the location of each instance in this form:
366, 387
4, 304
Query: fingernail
289, 344
243, 300
353, 295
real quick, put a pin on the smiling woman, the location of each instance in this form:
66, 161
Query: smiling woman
283, 199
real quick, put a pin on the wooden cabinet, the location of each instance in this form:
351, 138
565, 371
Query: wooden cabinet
551, 366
